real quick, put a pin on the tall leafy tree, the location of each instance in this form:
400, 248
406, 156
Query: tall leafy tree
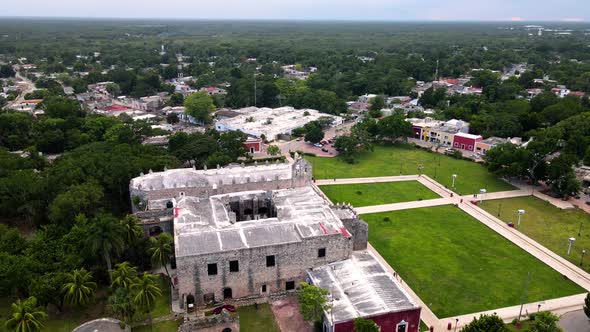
26, 316
124, 276
145, 292
487, 323
105, 237
312, 302
121, 304
160, 251
79, 287
133, 232
365, 325
199, 105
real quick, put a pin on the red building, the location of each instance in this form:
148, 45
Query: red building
467, 142
362, 287
254, 145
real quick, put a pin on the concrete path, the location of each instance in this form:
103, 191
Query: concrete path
402, 206
574, 321
497, 195
557, 306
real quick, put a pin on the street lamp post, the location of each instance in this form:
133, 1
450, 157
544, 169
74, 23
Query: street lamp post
453, 184
582, 259
420, 167
481, 192
520, 213
580, 230
456, 323
570, 241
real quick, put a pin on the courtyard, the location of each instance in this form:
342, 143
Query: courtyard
403, 159
367, 194
547, 224
457, 265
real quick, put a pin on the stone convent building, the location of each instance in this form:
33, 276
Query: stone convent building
254, 231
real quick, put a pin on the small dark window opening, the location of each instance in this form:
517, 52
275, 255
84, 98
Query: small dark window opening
227, 293
322, 252
290, 285
234, 266
169, 205
264, 288
270, 260
212, 269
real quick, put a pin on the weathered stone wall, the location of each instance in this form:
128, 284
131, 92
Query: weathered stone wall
360, 232
291, 264
301, 171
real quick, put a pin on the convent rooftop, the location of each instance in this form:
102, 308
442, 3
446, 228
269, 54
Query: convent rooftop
210, 225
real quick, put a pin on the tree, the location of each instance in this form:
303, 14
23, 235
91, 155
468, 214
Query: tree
105, 237
365, 325
114, 89
79, 287
199, 105
314, 134
160, 251
487, 323
587, 305
121, 304
124, 276
6, 71
172, 118
84, 198
26, 316
273, 150
394, 127
312, 302
133, 232
145, 292
545, 321
48, 288
433, 98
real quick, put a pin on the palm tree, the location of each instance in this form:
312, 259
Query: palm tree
122, 305
145, 292
26, 316
160, 251
79, 288
133, 231
106, 236
124, 275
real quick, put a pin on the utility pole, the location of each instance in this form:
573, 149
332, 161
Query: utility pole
254, 89
436, 72
523, 299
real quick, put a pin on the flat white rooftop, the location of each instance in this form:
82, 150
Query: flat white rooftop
360, 287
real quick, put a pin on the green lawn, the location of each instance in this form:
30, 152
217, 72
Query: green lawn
166, 326
525, 326
457, 265
404, 159
547, 224
367, 194
255, 320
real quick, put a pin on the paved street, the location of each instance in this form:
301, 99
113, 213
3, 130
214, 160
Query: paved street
301, 145
21, 97
574, 321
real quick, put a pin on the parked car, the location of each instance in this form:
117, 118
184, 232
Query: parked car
587, 202
298, 139
324, 149
318, 145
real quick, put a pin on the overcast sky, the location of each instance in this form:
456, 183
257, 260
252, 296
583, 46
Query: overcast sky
394, 10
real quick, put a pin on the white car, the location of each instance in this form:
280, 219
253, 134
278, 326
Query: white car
318, 145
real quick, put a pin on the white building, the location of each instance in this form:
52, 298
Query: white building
272, 123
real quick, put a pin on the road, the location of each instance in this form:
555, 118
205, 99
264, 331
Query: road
30, 87
301, 145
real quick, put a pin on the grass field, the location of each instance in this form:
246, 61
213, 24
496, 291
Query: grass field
255, 320
457, 265
404, 159
367, 194
547, 225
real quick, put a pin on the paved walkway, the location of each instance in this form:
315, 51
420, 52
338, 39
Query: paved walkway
574, 321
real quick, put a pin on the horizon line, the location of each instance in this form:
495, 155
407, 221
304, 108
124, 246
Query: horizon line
298, 19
